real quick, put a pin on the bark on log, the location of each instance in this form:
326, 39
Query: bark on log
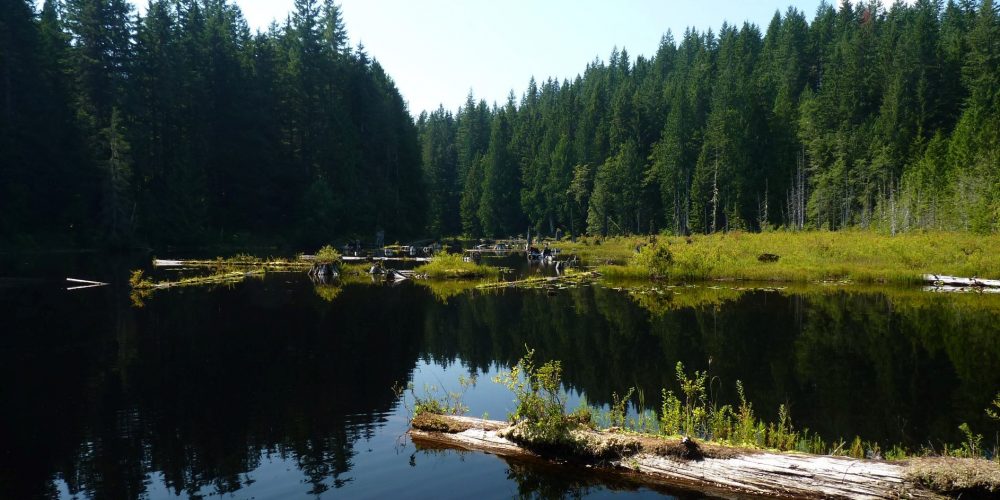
743, 472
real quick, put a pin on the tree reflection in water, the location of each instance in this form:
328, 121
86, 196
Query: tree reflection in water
200, 388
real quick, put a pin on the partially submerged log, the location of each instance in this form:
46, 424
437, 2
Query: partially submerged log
543, 282
83, 284
351, 258
276, 265
704, 466
214, 279
941, 280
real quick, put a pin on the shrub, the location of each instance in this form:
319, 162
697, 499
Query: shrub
327, 255
540, 413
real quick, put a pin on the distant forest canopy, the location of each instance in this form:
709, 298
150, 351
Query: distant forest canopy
180, 126
865, 117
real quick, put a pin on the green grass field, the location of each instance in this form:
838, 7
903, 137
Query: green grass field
858, 256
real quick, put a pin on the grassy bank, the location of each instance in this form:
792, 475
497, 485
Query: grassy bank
451, 266
858, 256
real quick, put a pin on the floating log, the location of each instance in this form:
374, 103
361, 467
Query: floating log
348, 258
270, 265
711, 467
86, 282
215, 279
953, 281
83, 284
960, 289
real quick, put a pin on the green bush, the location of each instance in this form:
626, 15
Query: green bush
540, 401
327, 255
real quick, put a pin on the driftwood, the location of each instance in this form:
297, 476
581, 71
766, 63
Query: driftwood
956, 282
83, 284
215, 279
270, 265
350, 258
739, 472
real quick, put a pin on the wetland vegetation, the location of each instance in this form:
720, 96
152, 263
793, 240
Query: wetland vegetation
813, 256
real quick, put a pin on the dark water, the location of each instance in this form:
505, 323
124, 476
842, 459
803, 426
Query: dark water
275, 389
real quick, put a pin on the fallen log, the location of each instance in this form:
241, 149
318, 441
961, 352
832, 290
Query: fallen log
960, 289
276, 265
215, 279
954, 281
715, 468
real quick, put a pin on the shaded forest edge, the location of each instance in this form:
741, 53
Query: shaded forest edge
180, 126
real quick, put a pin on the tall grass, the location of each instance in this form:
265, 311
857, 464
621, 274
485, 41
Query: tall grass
451, 266
858, 256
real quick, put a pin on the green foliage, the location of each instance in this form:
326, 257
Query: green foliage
452, 266
327, 255
747, 431
695, 410
540, 401
994, 410
137, 280
619, 407
655, 259
435, 400
972, 446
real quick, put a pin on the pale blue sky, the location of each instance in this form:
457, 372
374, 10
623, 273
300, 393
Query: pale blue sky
437, 50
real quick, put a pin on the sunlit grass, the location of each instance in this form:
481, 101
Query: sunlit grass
451, 266
858, 256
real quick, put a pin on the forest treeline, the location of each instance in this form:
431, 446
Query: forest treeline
867, 117
182, 126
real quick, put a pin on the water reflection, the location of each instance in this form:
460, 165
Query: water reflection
210, 392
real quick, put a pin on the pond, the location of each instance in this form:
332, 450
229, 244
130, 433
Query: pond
274, 388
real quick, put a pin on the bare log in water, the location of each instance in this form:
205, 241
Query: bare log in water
956, 282
743, 472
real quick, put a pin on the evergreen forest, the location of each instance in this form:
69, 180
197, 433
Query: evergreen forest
181, 126
885, 119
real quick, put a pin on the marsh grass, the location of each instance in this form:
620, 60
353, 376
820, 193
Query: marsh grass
451, 266
858, 256
541, 420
